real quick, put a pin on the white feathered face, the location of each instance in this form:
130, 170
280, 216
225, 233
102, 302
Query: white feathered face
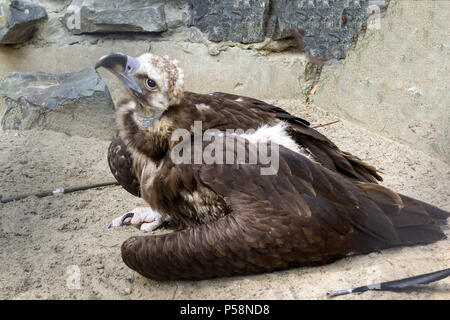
154, 82
160, 80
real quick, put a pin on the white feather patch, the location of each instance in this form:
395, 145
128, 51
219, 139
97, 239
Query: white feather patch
202, 106
276, 134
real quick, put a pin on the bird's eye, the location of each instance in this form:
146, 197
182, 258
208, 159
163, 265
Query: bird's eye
151, 84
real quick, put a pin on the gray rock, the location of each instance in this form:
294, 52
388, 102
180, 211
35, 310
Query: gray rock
90, 16
18, 20
177, 13
330, 26
75, 103
238, 21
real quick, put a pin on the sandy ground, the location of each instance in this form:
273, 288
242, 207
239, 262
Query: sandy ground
57, 247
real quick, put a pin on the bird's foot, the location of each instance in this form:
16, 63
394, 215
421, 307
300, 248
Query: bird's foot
146, 217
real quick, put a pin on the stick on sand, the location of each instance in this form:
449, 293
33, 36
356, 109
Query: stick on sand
397, 284
59, 191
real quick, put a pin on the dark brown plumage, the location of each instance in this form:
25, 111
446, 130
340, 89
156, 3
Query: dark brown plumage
304, 215
322, 204
247, 113
121, 164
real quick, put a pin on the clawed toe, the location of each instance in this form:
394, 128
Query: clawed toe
145, 217
120, 221
126, 216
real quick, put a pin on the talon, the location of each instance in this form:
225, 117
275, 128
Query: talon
127, 215
146, 217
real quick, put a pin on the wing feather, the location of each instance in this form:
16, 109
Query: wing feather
320, 147
121, 165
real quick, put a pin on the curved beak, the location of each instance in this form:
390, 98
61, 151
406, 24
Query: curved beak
123, 67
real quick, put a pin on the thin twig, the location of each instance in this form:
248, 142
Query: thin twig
108, 247
59, 191
175, 292
396, 284
313, 89
326, 124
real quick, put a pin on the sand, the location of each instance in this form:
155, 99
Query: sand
57, 247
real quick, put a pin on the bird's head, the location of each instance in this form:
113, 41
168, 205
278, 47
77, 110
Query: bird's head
153, 82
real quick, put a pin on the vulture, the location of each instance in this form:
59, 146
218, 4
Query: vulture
317, 205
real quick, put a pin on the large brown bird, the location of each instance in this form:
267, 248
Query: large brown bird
320, 203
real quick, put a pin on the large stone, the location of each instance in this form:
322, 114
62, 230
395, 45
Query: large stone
177, 13
238, 21
75, 103
330, 26
90, 16
18, 20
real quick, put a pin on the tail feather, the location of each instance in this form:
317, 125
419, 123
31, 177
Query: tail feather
415, 221
435, 213
421, 234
